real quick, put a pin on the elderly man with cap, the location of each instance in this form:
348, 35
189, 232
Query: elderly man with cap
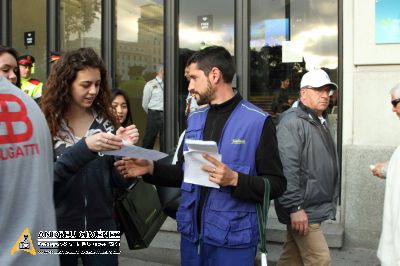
310, 165
30, 86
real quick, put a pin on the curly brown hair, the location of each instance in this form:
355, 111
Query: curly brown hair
57, 97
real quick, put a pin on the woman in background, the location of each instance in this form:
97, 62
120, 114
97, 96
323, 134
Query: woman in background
77, 107
121, 107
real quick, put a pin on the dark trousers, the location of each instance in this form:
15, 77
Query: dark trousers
193, 254
155, 125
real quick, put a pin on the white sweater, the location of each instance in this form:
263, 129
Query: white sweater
389, 244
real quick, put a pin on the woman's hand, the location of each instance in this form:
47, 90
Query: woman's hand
103, 142
131, 167
129, 134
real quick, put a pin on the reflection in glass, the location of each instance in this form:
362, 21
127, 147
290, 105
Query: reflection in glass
80, 24
201, 24
30, 19
287, 39
139, 49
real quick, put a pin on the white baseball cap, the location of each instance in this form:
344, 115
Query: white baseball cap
316, 79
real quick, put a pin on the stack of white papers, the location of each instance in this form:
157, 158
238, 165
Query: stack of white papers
194, 161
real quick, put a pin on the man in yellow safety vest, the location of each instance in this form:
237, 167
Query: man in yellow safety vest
30, 86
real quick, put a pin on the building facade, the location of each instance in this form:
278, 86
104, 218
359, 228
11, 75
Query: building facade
269, 39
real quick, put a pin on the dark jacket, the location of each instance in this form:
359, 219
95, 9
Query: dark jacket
84, 185
310, 165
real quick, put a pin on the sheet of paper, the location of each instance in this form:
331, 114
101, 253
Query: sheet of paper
291, 52
201, 145
193, 173
133, 151
194, 161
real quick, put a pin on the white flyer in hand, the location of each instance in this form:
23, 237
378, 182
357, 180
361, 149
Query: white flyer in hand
129, 150
194, 161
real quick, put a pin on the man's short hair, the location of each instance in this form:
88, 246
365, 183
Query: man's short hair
214, 56
395, 91
159, 68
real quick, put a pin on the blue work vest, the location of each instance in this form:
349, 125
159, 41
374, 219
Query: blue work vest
226, 221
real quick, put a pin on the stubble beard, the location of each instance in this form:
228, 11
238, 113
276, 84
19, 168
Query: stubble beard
206, 97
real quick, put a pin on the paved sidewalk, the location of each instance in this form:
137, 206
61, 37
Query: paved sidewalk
164, 250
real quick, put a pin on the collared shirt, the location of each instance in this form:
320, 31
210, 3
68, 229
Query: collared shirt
153, 95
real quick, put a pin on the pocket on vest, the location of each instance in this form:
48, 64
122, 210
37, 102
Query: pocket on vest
232, 226
184, 214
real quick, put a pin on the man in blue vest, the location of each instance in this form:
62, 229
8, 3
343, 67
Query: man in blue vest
219, 226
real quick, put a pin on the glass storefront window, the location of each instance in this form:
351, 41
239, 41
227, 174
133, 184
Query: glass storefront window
289, 38
139, 49
201, 24
33, 21
80, 24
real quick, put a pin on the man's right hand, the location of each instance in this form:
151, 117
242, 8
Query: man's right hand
380, 169
131, 167
299, 222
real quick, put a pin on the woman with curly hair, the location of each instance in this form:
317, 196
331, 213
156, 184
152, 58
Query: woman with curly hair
78, 110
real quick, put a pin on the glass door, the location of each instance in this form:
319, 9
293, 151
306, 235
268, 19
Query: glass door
201, 24
289, 38
139, 53
80, 24
29, 33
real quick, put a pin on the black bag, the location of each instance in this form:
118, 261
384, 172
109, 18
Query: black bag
140, 213
169, 196
169, 199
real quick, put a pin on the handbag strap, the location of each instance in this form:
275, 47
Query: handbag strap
262, 215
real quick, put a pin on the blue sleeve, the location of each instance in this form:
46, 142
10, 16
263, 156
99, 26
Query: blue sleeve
74, 159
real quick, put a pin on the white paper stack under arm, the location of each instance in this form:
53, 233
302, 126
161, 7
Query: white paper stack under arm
194, 161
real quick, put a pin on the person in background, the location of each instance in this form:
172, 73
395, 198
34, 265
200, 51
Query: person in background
280, 102
153, 105
389, 243
26, 171
77, 106
54, 56
310, 164
29, 85
191, 103
9, 65
121, 107
219, 226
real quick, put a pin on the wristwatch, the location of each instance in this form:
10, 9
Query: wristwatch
295, 209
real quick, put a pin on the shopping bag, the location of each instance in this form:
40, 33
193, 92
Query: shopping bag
140, 213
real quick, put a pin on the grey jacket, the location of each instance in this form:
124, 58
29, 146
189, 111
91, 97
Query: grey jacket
310, 165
